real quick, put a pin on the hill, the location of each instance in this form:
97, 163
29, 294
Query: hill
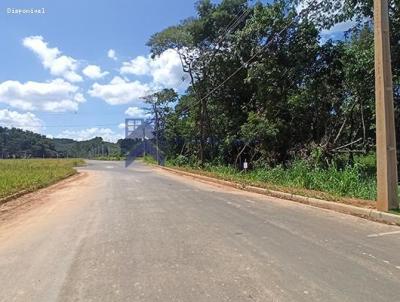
17, 143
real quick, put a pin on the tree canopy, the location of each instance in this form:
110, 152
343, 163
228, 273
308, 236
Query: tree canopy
265, 86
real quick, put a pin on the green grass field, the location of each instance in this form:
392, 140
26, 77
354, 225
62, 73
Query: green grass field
18, 175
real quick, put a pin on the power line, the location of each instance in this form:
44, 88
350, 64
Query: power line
298, 17
243, 13
76, 126
228, 29
237, 16
234, 23
78, 113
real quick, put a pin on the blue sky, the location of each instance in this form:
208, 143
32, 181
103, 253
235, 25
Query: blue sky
44, 57
79, 69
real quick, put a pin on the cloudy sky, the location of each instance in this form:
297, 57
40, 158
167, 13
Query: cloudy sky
81, 68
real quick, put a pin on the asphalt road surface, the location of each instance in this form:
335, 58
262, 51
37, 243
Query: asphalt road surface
140, 234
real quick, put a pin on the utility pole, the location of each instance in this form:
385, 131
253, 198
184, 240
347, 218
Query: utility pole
144, 139
387, 198
202, 130
152, 100
157, 129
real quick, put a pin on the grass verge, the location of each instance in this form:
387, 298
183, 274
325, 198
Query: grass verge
348, 185
149, 160
27, 175
109, 158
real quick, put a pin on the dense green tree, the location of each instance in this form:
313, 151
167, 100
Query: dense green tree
268, 89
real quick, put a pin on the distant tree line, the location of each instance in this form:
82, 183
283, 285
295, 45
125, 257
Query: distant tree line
17, 143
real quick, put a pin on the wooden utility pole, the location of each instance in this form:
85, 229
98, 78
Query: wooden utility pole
387, 198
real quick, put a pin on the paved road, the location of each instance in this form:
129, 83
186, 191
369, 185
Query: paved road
137, 234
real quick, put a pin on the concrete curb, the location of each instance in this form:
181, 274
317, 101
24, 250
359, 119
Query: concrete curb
370, 214
14, 196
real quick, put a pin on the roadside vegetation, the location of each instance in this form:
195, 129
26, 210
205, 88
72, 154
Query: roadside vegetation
149, 160
116, 157
267, 86
17, 175
300, 177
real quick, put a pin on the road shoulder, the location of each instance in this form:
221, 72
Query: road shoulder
366, 213
27, 201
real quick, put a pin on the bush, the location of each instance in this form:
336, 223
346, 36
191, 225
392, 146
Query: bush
347, 181
180, 161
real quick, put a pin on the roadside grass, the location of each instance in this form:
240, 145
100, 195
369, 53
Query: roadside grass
26, 175
149, 160
351, 184
396, 212
110, 158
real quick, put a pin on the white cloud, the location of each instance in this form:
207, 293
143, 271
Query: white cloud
137, 112
165, 70
339, 28
85, 134
56, 96
138, 66
25, 121
53, 59
112, 55
121, 126
337, 7
94, 72
119, 91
